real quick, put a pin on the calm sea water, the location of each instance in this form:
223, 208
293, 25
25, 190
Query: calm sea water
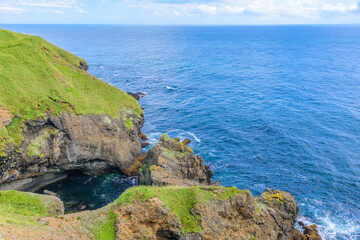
267, 106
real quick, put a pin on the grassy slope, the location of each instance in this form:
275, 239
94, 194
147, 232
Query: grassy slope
36, 76
21, 210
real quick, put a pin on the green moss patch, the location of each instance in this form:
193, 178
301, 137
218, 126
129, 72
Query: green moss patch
35, 145
129, 124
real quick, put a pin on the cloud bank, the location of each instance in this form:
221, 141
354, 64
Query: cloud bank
267, 8
53, 6
187, 10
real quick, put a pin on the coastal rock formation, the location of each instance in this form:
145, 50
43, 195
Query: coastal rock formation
169, 212
91, 143
55, 117
204, 213
310, 233
170, 162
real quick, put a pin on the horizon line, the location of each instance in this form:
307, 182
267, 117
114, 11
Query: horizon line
188, 25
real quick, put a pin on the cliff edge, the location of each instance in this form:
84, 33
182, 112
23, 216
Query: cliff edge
56, 117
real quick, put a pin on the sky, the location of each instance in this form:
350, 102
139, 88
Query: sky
182, 12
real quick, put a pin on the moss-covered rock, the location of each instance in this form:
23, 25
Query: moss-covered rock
30, 204
149, 212
171, 162
199, 212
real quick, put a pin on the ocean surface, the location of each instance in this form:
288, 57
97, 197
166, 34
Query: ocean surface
266, 106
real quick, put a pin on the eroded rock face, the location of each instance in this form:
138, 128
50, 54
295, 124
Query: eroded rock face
238, 216
56, 144
170, 162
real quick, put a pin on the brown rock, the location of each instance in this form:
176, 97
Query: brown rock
50, 193
5, 117
144, 137
170, 162
133, 169
239, 216
310, 233
137, 95
89, 143
186, 141
145, 144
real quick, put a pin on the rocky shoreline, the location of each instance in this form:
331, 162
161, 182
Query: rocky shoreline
79, 123
176, 199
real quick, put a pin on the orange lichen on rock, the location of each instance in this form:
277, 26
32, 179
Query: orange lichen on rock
133, 169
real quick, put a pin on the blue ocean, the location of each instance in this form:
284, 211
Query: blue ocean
266, 106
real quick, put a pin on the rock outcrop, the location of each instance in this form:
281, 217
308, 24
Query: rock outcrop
310, 233
204, 213
171, 162
169, 212
69, 142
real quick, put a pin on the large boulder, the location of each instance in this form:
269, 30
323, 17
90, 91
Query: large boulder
171, 162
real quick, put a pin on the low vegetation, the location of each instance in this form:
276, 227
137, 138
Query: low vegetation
37, 77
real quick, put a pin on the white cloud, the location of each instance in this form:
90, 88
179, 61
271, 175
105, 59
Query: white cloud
206, 8
55, 6
341, 8
9, 9
265, 8
48, 3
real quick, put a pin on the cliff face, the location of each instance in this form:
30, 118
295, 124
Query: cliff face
68, 142
205, 213
55, 117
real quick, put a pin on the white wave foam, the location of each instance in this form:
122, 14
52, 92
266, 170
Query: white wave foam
341, 226
194, 136
332, 229
183, 134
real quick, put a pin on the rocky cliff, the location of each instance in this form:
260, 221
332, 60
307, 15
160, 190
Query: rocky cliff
55, 117
58, 144
191, 213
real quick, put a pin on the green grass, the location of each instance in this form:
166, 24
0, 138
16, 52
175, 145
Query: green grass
129, 124
25, 204
101, 223
180, 200
37, 77
107, 230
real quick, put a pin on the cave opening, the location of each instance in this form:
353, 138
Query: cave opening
81, 192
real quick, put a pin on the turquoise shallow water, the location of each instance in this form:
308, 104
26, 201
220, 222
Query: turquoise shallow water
274, 106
